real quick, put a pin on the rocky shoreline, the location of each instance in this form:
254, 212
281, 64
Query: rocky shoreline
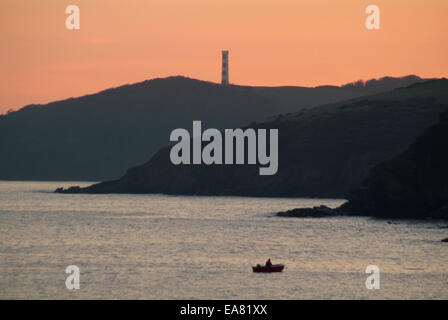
325, 212
315, 212
412, 185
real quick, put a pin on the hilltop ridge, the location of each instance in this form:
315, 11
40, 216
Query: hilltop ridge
98, 136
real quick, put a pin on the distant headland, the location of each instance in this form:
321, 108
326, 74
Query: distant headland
328, 151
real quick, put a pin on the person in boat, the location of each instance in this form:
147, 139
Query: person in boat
269, 263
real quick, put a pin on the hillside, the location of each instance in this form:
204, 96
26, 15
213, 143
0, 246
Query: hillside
413, 184
323, 152
98, 136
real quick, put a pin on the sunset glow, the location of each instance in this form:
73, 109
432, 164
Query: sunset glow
272, 43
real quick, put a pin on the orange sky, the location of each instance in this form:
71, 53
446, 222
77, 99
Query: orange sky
275, 42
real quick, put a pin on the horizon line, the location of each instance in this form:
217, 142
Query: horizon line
363, 81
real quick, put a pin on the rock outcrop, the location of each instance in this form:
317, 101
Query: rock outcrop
315, 212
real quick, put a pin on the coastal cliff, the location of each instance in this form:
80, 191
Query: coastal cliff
412, 185
323, 152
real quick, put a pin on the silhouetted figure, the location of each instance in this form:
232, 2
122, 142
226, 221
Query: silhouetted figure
269, 263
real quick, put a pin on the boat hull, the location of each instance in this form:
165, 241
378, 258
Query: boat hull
273, 268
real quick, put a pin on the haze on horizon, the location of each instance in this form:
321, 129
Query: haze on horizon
271, 43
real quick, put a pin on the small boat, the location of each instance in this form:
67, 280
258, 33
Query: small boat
273, 268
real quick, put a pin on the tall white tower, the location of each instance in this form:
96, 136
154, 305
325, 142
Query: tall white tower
225, 67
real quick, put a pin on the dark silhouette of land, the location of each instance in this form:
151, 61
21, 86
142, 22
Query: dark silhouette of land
99, 136
413, 184
324, 151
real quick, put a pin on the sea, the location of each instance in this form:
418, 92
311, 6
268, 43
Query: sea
157, 246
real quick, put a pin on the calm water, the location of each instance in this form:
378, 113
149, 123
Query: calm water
168, 247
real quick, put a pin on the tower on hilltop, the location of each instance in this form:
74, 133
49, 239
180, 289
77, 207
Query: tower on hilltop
225, 67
